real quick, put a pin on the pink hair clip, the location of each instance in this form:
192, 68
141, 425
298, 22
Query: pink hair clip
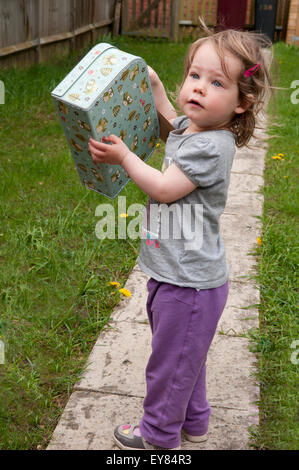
252, 70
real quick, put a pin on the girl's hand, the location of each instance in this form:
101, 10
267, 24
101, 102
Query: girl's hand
114, 154
165, 187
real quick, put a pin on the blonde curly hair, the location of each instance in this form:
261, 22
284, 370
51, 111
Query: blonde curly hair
249, 48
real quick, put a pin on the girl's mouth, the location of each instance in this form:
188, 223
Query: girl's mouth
195, 103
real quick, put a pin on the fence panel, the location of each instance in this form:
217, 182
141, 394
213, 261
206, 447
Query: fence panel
17, 22
35, 30
293, 23
54, 17
147, 18
283, 8
190, 10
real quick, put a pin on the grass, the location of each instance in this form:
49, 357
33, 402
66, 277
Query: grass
278, 362
54, 292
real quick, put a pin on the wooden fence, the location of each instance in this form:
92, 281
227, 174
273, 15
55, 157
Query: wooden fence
35, 30
176, 19
165, 18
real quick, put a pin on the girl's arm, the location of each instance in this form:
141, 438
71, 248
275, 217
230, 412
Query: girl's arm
165, 187
162, 102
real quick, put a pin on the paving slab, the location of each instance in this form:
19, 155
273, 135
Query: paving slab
241, 312
136, 284
236, 228
90, 418
249, 161
240, 234
241, 264
244, 195
229, 383
117, 361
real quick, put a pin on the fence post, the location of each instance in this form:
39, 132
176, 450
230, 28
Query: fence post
92, 21
37, 20
72, 25
175, 17
124, 17
117, 14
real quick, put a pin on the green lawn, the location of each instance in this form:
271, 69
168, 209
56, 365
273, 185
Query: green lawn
278, 270
54, 292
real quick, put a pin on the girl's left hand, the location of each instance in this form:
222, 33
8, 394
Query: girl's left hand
113, 154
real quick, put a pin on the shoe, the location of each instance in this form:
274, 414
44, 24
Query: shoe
201, 438
125, 438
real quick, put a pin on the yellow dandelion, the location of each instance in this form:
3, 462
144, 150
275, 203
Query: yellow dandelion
158, 144
280, 154
276, 157
125, 292
123, 215
114, 283
259, 241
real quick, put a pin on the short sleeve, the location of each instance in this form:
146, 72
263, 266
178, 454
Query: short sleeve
199, 159
180, 122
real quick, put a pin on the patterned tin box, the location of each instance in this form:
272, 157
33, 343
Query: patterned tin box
108, 92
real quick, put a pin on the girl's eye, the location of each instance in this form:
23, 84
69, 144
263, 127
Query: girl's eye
194, 75
216, 83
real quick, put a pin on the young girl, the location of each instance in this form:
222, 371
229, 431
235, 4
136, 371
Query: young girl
226, 77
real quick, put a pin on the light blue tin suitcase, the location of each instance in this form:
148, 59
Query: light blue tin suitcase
108, 92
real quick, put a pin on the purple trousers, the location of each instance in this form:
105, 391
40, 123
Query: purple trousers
183, 323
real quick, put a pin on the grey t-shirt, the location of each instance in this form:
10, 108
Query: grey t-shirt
181, 243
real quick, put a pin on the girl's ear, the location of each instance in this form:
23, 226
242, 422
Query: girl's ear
245, 104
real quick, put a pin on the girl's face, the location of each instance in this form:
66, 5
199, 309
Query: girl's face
208, 97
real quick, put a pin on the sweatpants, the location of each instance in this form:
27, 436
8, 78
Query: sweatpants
183, 321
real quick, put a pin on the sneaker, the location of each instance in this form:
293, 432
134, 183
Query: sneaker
128, 437
201, 438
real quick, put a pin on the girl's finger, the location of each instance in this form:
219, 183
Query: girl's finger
114, 139
97, 145
97, 148
97, 159
97, 153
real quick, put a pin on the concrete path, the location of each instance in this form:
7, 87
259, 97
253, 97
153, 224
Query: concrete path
112, 389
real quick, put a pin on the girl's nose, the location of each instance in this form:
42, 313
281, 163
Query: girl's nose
200, 88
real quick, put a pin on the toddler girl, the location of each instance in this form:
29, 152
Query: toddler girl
226, 77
